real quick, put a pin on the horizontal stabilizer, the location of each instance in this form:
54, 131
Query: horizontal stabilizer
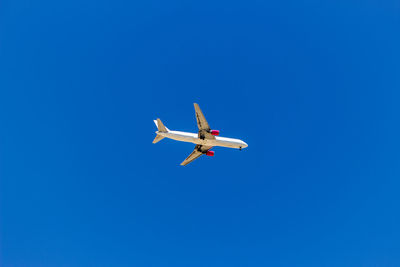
158, 138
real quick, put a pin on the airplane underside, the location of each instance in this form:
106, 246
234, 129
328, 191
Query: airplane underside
193, 138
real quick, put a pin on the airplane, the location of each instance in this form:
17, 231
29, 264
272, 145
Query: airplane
205, 139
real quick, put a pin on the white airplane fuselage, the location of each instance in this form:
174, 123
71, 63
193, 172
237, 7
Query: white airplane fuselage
194, 138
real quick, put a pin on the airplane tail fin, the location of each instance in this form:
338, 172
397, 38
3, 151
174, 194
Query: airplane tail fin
161, 128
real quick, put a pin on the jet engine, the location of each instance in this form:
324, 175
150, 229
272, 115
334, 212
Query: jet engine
210, 153
215, 132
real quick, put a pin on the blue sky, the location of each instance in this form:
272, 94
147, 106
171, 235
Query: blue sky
311, 86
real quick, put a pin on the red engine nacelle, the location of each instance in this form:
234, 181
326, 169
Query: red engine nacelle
214, 132
210, 153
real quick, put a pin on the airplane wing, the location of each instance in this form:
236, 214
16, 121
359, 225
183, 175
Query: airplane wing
204, 128
197, 152
201, 121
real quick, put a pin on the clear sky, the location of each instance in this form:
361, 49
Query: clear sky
311, 86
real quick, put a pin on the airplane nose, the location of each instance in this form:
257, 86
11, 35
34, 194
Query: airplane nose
245, 145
